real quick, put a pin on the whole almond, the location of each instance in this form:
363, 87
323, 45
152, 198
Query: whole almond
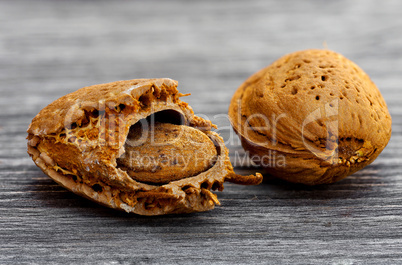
311, 117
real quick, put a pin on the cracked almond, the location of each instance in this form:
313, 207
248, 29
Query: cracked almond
84, 141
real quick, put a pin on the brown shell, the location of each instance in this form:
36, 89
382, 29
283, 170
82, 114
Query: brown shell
77, 139
317, 111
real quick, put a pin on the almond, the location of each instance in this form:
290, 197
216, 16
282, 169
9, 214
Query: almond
168, 152
315, 111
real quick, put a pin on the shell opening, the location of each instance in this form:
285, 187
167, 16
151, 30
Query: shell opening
166, 116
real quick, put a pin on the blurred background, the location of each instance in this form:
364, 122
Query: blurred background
50, 48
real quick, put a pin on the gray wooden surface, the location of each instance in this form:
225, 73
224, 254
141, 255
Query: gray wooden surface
50, 48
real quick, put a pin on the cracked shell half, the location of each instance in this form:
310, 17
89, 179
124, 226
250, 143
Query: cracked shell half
133, 145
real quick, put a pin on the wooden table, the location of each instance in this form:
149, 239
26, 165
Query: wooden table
51, 48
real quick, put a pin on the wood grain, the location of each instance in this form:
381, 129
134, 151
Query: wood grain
50, 48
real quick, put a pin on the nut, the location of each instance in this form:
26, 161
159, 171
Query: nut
94, 142
315, 112
169, 152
